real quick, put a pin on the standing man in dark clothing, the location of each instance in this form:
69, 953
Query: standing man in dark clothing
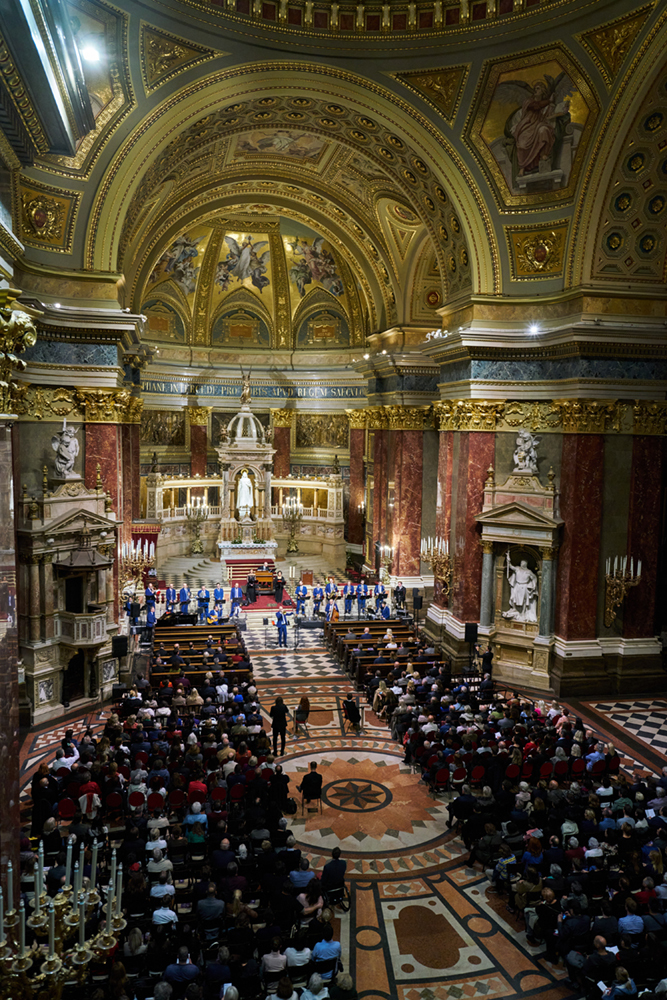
333, 873
279, 716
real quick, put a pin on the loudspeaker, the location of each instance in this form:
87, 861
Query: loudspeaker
417, 602
117, 691
119, 645
135, 609
415, 593
470, 632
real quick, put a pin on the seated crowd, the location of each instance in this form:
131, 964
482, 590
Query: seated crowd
578, 848
217, 898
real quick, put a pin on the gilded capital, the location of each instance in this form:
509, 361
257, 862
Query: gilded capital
487, 546
649, 417
406, 418
198, 415
468, 414
282, 418
108, 406
548, 552
356, 419
17, 332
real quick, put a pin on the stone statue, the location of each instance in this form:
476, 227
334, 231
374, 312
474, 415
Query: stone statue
336, 466
523, 592
66, 447
525, 453
244, 495
245, 389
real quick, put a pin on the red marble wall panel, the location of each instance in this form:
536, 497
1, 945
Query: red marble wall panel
131, 474
380, 478
355, 522
644, 517
407, 519
104, 446
281, 459
581, 489
476, 454
443, 518
198, 445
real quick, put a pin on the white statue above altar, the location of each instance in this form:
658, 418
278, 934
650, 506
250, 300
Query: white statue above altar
244, 495
525, 453
66, 447
523, 592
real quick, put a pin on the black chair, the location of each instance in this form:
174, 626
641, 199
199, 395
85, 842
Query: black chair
326, 966
338, 897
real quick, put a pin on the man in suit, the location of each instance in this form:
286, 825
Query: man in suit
171, 597
301, 595
348, 594
329, 609
203, 599
311, 783
211, 908
333, 873
362, 597
400, 594
236, 596
380, 594
219, 594
384, 611
281, 622
318, 597
331, 589
150, 620
184, 599
150, 596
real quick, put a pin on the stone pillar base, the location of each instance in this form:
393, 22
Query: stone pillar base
608, 667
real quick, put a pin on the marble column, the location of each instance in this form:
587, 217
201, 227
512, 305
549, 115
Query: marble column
486, 598
130, 437
581, 489
103, 448
546, 595
406, 519
355, 518
380, 480
10, 820
443, 511
47, 594
281, 459
476, 454
198, 447
644, 529
35, 599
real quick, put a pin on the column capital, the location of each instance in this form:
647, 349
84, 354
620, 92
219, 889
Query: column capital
282, 417
548, 551
487, 546
198, 415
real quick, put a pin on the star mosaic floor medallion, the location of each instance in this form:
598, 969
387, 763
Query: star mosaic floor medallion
356, 796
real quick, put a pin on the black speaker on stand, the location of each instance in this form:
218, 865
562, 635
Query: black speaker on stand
119, 646
417, 605
470, 636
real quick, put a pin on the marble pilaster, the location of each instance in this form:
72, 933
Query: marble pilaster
581, 489
198, 446
281, 459
476, 454
355, 529
380, 480
443, 513
486, 597
644, 516
546, 593
406, 516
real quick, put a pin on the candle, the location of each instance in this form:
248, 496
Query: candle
112, 878
37, 889
52, 930
2, 916
10, 887
119, 889
21, 930
82, 922
82, 852
93, 867
40, 857
615, 564
68, 863
639, 568
75, 880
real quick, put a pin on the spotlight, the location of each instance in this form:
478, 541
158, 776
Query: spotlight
366, 357
533, 328
90, 54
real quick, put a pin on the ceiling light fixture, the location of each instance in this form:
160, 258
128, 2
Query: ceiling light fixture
90, 54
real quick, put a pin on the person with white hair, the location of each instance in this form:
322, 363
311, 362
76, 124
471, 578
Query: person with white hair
316, 989
196, 815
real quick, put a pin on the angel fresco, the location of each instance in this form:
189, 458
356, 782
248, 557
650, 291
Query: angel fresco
243, 262
536, 130
177, 263
312, 262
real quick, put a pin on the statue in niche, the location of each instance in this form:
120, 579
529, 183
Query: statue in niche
244, 495
525, 453
66, 447
523, 592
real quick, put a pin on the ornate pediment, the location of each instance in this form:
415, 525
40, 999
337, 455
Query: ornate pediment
518, 521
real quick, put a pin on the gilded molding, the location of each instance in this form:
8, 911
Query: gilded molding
282, 418
356, 419
565, 416
198, 415
442, 89
650, 417
21, 100
17, 332
536, 251
467, 415
609, 44
164, 56
47, 215
107, 406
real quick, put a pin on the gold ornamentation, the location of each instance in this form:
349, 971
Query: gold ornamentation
406, 418
467, 415
282, 418
609, 44
17, 332
198, 415
533, 415
617, 585
164, 56
588, 416
21, 100
356, 419
202, 307
650, 417
536, 252
92, 405
47, 216
548, 552
487, 547
44, 218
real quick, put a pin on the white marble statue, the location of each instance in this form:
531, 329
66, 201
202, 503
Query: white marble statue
244, 495
66, 447
525, 453
523, 592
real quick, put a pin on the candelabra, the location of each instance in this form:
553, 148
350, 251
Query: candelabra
54, 959
196, 514
292, 516
435, 552
134, 561
386, 552
619, 578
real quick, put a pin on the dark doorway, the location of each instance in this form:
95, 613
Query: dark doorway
74, 594
74, 679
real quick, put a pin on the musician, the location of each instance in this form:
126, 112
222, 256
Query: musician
384, 611
281, 624
236, 597
362, 597
301, 595
331, 589
278, 587
251, 588
150, 595
151, 618
380, 594
203, 600
348, 595
184, 599
170, 597
400, 594
215, 616
331, 611
132, 599
318, 597
219, 594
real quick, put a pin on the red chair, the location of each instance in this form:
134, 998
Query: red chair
477, 776
237, 794
459, 777
155, 801
267, 773
196, 795
125, 771
561, 768
432, 759
218, 794
599, 767
441, 782
114, 802
136, 799
613, 764
547, 769
141, 757
250, 775
527, 770
63, 772
177, 798
66, 809
578, 767
512, 771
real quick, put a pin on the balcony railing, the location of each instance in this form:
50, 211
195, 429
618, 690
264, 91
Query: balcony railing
83, 629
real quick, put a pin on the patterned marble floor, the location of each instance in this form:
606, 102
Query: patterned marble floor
421, 925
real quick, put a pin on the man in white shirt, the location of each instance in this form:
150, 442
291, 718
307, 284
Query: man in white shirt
165, 915
163, 890
159, 863
62, 761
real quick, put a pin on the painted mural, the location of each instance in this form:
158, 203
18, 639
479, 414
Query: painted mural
181, 262
163, 321
281, 142
311, 262
246, 263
